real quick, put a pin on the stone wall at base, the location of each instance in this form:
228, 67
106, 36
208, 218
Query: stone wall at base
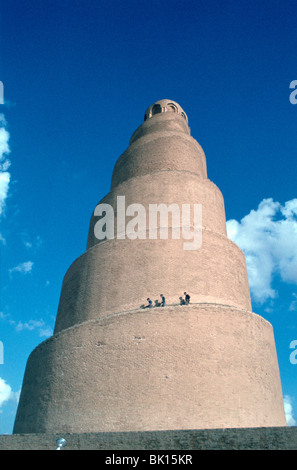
274, 438
200, 366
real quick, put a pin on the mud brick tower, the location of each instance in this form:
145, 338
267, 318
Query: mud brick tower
113, 366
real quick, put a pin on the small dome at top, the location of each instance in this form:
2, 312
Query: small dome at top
165, 106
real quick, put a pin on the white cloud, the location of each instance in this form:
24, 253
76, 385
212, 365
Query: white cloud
268, 238
24, 268
4, 138
30, 325
4, 186
34, 244
293, 304
289, 411
46, 332
42, 328
2, 239
6, 393
4, 163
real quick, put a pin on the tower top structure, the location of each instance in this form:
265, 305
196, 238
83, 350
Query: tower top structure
165, 106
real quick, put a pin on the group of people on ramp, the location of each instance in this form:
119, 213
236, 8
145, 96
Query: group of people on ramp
162, 302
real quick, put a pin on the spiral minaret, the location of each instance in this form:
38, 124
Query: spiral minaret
114, 366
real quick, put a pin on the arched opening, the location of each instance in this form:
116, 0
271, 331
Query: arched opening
156, 109
172, 108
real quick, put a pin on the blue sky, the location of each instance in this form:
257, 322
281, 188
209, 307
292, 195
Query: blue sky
78, 76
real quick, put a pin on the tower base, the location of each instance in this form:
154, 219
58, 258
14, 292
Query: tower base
275, 438
180, 367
